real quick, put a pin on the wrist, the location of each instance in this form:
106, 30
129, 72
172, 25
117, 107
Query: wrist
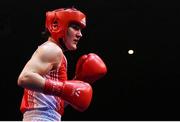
52, 87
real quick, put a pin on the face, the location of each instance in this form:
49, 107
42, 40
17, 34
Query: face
73, 36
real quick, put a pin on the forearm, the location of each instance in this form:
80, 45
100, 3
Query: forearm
32, 81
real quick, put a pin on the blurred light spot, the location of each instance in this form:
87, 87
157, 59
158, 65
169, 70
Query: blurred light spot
130, 52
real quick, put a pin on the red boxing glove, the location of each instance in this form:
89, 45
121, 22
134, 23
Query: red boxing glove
77, 93
90, 68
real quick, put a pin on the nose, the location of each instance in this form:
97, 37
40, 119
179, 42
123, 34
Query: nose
79, 34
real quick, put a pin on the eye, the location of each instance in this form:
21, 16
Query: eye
75, 26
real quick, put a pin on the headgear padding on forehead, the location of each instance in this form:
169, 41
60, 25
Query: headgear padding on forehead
57, 21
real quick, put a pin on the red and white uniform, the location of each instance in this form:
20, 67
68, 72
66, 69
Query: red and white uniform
33, 100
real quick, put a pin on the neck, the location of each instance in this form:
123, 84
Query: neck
62, 45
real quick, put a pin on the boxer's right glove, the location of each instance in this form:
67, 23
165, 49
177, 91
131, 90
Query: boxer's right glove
90, 68
77, 93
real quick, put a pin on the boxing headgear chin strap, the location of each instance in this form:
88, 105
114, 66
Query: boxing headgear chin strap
57, 21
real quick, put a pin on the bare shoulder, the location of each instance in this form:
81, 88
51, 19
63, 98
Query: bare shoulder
49, 51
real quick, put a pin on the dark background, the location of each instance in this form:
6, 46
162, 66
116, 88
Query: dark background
143, 86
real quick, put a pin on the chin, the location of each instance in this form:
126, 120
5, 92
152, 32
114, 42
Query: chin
73, 48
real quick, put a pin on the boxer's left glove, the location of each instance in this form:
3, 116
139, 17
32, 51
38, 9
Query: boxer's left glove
90, 68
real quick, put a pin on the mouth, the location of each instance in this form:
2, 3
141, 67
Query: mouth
76, 40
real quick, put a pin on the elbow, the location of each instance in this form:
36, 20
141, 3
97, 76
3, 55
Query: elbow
22, 80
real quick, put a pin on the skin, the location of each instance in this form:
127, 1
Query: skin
47, 57
73, 36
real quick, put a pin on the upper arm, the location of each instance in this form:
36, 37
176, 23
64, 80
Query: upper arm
44, 59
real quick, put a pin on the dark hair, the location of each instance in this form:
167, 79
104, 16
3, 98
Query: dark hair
45, 35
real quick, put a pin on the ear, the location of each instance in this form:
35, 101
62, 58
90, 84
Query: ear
55, 26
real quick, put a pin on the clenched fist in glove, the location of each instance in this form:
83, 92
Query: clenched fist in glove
90, 68
77, 93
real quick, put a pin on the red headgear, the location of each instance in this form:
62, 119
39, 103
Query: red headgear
57, 21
